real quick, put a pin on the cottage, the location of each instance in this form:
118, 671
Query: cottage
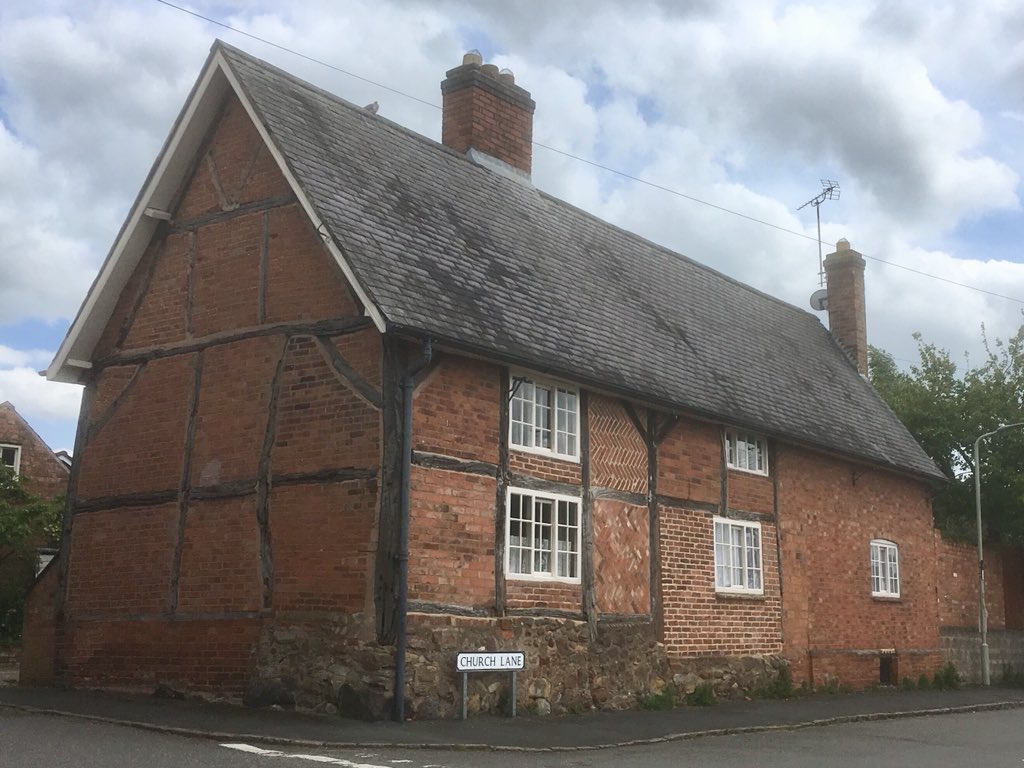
45, 476
356, 401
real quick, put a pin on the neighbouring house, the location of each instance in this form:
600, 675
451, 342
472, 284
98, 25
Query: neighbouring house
356, 401
45, 476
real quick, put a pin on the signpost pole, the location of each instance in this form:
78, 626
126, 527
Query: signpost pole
465, 693
513, 673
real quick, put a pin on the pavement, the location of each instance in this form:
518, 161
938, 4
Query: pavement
596, 730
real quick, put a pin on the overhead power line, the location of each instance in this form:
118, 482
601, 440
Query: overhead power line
585, 160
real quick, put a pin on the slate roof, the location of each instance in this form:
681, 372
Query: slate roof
449, 249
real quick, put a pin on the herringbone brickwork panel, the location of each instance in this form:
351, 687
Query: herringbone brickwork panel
618, 457
622, 564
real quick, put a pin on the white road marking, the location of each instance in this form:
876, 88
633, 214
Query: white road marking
313, 758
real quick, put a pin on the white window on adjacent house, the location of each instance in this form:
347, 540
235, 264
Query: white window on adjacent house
542, 536
544, 418
738, 556
10, 456
747, 452
885, 569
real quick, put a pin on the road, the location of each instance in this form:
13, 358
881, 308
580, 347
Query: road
990, 739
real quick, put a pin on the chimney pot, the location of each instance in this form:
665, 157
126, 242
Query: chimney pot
473, 57
490, 69
842, 245
507, 76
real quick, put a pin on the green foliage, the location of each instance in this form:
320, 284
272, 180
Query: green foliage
660, 701
947, 678
703, 696
924, 683
831, 685
908, 684
947, 409
26, 522
779, 688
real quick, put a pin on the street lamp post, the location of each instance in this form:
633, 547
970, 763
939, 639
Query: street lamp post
986, 673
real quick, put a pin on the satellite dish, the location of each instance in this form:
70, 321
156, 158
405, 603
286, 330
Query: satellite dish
819, 300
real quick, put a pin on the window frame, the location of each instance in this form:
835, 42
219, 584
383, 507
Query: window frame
885, 579
17, 457
553, 550
745, 567
516, 382
733, 438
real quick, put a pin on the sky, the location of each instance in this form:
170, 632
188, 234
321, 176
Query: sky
727, 114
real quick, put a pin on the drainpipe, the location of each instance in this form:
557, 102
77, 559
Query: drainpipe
408, 386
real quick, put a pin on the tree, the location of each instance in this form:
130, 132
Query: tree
946, 410
26, 522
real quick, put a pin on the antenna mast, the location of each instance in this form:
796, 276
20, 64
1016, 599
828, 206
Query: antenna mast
829, 191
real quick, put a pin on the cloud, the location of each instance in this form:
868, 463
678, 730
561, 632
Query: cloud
39, 399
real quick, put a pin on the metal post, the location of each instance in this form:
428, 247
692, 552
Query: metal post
513, 693
986, 667
986, 678
465, 694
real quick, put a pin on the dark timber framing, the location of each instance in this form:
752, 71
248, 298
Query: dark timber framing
264, 481
501, 491
185, 484
587, 520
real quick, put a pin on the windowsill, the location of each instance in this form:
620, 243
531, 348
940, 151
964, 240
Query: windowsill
545, 453
531, 579
736, 594
753, 472
886, 598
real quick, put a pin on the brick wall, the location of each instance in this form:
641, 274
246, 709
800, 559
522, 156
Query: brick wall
209, 356
829, 511
690, 462
622, 562
618, 456
698, 619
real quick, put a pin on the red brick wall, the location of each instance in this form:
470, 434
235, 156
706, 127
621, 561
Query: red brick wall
700, 621
322, 552
958, 585
220, 557
39, 637
140, 447
121, 561
455, 410
750, 492
690, 462
123, 568
216, 656
829, 511
451, 537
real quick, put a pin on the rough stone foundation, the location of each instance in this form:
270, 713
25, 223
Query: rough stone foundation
335, 665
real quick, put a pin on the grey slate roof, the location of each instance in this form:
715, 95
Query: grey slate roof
450, 249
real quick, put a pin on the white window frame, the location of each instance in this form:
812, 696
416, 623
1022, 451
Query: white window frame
728, 550
885, 568
537, 556
17, 457
523, 430
738, 451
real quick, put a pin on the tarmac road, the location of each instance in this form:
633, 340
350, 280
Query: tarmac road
995, 738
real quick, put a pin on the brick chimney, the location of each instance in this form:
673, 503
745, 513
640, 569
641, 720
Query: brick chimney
484, 110
844, 280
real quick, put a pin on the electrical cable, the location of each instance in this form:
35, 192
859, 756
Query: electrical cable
593, 163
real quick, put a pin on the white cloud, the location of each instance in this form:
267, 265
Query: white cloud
39, 399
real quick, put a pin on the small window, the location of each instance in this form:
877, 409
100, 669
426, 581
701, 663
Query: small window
885, 569
10, 456
542, 536
738, 556
544, 418
746, 452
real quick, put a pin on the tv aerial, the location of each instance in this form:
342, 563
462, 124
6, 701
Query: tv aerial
829, 191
